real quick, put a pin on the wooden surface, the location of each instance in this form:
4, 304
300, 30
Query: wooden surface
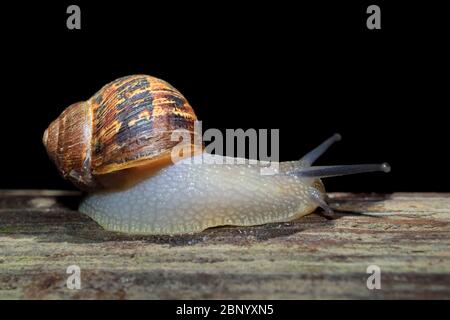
315, 257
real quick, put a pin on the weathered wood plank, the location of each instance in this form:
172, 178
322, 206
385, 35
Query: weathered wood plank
315, 257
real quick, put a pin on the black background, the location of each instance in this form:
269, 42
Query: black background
308, 69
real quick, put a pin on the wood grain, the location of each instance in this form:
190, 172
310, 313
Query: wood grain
316, 257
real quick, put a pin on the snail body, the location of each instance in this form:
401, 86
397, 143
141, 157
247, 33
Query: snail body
190, 196
117, 147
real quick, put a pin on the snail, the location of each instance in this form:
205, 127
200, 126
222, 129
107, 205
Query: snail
117, 146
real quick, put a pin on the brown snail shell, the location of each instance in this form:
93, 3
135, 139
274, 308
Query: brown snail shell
127, 124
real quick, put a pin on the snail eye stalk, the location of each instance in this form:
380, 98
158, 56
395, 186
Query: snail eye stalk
309, 158
341, 170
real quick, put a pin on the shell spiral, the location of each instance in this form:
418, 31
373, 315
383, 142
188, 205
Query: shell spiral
126, 123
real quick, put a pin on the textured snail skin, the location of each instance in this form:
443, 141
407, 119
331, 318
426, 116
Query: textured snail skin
188, 197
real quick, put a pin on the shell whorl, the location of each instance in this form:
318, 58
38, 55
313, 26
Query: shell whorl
68, 144
127, 123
